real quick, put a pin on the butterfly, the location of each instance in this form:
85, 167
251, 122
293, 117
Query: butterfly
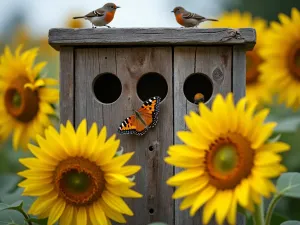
144, 118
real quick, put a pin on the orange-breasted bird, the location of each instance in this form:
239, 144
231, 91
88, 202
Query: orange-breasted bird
198, 98
101, 16
188, 19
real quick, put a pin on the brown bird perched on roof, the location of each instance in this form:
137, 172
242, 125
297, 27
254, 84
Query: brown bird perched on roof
101, 16
198, 98
188, 19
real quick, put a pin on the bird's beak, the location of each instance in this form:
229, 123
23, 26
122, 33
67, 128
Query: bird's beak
118, 7
172, 11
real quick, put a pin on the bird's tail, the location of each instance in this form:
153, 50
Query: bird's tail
78, 17
208, 19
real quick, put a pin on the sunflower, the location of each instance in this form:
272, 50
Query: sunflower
78, 177
257, 88
26, 101
282, 58
226, 159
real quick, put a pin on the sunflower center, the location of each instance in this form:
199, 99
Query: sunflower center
226, 159
253, 60
294, 61
229, 160
79, 181
21, 103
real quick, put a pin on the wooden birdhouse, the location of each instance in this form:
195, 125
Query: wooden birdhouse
105, 74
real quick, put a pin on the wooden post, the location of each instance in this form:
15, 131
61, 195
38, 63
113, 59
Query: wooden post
214, 59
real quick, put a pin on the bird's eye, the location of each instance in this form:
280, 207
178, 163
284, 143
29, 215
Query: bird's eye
112, 7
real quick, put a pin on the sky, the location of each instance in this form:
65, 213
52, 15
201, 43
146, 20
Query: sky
41, 15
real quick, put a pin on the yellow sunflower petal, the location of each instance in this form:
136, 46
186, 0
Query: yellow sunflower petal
67, 216
184, 162
56, 211
231, 216
116, 203
276, 147
190, 187
117, 162
50, 81
116, 179
264, 134
129, 170
185, 175
34, 163
112, 214
123, 191
209, 209
43, 203
223, 209
202, 198
81, 216
242, 193
38, 189
191, 139
109, 151
266, 158
188, 201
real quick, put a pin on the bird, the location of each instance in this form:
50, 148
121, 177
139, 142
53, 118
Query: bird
199, 97
188, 19
101, 16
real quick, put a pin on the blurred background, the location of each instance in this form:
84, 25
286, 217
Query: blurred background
27, 22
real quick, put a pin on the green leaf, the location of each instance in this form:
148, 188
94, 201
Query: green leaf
15, 206
291, 222
288, 184
8, 182
38, 221
278, 219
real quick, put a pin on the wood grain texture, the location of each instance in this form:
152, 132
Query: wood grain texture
129, 64
66, 78
239, 72
151, 36
189, 60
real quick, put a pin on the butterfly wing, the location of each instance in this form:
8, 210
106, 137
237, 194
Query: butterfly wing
131, 125
149, 111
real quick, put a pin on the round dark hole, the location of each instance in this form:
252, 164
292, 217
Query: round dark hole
107, 87
151, 148
197, 83
151, 211
150, 85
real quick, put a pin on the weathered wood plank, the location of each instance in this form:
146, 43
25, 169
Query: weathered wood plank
81, 70
157, 204
189, 60
151, 36
129, 64
66, 83
239, 72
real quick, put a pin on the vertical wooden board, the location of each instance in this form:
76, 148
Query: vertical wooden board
189, 60
184, 65
239, 72
82, 68
212, 59
132, 63
66, 83
129, 64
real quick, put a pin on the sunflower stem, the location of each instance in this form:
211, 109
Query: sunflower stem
258, 216
271, 208
25, 216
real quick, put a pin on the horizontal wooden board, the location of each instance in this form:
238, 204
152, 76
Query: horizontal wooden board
151, 37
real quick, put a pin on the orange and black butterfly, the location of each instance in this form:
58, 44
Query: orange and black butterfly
144, 118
